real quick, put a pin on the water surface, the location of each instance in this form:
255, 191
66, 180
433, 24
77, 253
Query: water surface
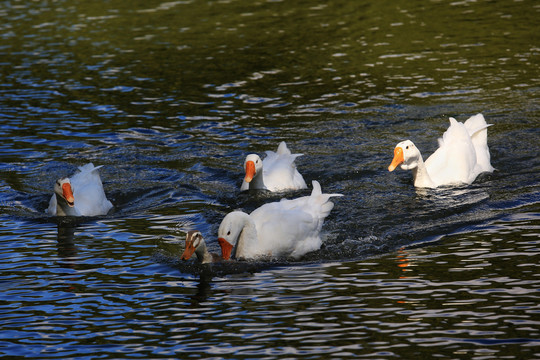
171, 96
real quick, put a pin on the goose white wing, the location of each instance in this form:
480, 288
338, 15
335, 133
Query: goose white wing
279, 170
90, 198
281, 231
477, 128
292, 227
455, 159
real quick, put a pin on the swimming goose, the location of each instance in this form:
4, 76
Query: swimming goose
278, 229
462, 155
82, 195
277, 172
195, 244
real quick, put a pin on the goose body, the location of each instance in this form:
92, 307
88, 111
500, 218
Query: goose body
278, 229
462, 155
277, 172
80, 195
195, 244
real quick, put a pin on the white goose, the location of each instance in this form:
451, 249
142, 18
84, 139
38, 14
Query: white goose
195, 244
462, 155
82, 195
284, 228
277, 172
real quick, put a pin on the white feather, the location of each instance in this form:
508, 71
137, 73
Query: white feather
462, 155
90, 198
284, 228
277, 173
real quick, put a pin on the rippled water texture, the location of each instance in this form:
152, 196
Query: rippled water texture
171, 96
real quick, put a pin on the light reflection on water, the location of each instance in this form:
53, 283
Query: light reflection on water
73, 281
170, 97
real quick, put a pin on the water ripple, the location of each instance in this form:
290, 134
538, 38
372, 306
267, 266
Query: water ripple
170, 97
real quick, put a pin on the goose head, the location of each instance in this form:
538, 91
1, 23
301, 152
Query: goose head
63, 189
252, 166
229, 232
405, 154
194, 242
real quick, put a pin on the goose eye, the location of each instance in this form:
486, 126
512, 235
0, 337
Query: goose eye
407, 147
228, 232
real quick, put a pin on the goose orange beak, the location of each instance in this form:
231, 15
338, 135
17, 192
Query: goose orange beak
190, 249
398, 158
250, 171
67, 193
226, 248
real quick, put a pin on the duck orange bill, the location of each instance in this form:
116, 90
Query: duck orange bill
67, 193
190, 249
398, 158
250, 171
226, 248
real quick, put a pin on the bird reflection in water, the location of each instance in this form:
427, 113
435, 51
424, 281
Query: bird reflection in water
67, 251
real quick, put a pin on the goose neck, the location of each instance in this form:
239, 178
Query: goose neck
202, 254
421, 175
258, 181
248, 237
62, 207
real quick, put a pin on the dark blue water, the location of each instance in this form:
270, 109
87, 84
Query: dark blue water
171, 96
